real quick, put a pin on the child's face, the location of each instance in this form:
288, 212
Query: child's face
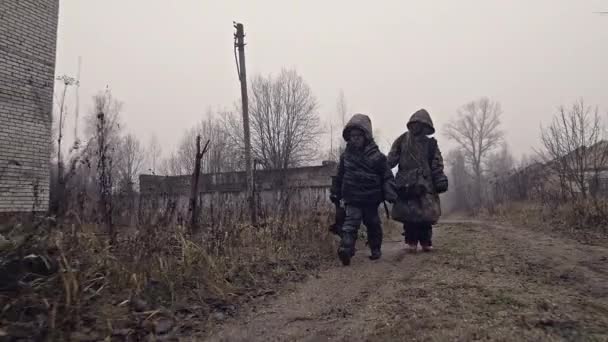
417, 128
356, 138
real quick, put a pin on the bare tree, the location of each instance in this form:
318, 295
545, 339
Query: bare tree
284, 120
330, 152
58, 181
110, 129
458, 197
500, 167
67, 81
232, 124
105, 141
500, 163
574, 149
80, 178
104, 102
222, 155
131, 160
171, 166
195, 181
342, 110
477, 132
525, 160
92, 168
334, 130
154, 153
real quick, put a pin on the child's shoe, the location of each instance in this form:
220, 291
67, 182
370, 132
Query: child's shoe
411, 248
347, 249
376, 254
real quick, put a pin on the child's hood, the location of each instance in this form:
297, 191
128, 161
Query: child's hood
423, 117
362, 122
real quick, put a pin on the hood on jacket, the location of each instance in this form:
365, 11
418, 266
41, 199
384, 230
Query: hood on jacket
362, 122
423, 117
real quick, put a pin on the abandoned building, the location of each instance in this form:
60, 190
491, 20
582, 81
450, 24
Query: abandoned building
583, 170
28, 36
304, 187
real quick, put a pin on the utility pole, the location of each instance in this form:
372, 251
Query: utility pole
239, 44
77, 100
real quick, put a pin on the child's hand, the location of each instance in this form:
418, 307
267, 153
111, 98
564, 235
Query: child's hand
441, 186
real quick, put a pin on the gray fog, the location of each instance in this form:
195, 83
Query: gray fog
170, 61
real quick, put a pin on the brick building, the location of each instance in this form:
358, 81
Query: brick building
28, 36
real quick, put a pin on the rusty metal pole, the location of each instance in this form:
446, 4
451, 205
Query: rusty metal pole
240, 45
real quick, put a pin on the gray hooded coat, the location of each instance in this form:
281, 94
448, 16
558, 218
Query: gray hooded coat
420, 167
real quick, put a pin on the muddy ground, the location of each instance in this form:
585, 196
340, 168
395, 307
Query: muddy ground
484, 281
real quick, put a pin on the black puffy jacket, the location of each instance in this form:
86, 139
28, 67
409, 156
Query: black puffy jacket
363, 176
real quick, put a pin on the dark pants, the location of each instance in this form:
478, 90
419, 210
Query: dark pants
417, 232
370, 218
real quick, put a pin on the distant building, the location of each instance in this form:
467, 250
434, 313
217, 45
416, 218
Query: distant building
588, 171
303, 187
28, 36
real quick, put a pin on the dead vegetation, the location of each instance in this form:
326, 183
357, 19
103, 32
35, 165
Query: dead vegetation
484, 281
110, 266
69, 280
564, 188
583, 220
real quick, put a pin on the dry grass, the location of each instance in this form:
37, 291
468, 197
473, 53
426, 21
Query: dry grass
586, 221
487, 282
153, 280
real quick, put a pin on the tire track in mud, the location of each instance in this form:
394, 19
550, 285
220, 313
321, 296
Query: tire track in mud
483, 281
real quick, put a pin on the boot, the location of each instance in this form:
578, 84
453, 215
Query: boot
347, 249
376, 254
375, 245
426, 247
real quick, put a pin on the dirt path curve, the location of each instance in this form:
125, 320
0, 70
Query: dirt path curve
483, 282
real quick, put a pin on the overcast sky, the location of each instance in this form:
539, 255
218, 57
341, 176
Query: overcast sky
169, 61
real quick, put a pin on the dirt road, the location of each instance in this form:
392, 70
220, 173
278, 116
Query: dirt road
483, 282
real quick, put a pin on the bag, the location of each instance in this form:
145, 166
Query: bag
411, 183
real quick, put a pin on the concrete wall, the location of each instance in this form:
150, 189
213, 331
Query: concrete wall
301, 177
220, 194
28, 35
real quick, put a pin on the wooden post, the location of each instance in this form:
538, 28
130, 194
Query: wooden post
195, 180
240, 44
